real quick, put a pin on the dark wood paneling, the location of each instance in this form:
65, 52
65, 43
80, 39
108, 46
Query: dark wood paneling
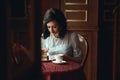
80, 12
106, 38
46, 4
116, 48
82, 17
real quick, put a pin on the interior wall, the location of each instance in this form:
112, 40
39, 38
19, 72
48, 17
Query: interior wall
118, 45
106, 39
3, 40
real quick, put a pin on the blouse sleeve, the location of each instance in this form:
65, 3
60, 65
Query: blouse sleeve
76, 45
42, 43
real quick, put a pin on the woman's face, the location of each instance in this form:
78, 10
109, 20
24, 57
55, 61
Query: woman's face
53, 27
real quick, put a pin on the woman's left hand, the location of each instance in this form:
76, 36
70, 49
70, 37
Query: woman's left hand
44, 51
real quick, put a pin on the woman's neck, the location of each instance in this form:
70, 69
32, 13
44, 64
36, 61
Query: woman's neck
56, 35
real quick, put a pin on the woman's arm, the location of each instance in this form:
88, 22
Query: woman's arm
77, 52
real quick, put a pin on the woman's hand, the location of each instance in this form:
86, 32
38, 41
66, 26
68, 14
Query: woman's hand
44, 51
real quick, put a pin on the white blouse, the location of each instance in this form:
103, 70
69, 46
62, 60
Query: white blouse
69, 45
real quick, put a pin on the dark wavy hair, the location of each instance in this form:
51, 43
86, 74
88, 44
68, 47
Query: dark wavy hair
54, 14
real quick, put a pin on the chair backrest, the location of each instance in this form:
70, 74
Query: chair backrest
84, 47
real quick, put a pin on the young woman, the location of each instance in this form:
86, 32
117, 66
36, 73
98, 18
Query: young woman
56, 39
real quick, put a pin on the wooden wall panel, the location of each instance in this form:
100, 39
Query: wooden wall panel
46, 4
84, 10
82, 17
106, 38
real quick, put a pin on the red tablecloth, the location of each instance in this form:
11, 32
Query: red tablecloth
67, 71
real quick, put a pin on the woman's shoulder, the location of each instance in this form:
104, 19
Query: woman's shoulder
72, 33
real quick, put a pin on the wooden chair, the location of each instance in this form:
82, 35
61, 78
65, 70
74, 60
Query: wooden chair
84, 47
20, 65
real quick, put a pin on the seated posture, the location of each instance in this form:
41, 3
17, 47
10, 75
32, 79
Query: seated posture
56, 39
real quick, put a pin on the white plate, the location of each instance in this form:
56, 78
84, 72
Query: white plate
61, 62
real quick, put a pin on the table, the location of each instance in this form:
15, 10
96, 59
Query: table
67, 71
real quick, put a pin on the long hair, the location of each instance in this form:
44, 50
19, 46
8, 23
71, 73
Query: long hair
54, 14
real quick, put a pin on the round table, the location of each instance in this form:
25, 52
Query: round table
66, 71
